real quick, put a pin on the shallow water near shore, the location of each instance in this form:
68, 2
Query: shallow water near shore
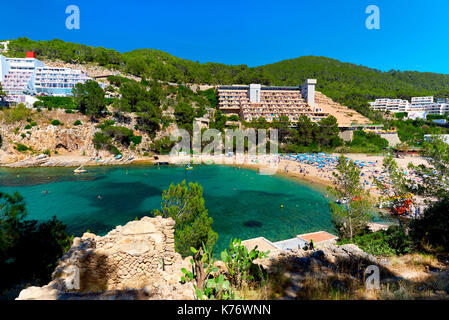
242, 203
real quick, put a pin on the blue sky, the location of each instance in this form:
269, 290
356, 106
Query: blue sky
413, 34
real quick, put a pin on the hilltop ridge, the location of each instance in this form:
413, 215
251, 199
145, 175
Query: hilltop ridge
346, 83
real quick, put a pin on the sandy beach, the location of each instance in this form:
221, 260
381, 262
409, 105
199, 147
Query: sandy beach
284, 166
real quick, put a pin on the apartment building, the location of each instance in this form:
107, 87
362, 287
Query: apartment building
419, 107
422, 101
28, 76
255, 101
391, 105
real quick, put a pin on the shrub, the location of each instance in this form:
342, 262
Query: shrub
106, 123
77, 123
185, 204
38, 104
15, 114
400, 115
136, 139
28, 242
47, 152
240, 263
56, 102
33, 123
384, 242
101, 140
21, 147
433, 227
27, 127
113, 149
56, 122
234, 117
367, 142
206, 285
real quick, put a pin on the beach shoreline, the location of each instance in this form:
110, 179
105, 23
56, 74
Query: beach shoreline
310, 174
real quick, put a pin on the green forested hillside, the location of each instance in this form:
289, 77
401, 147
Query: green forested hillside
349, 84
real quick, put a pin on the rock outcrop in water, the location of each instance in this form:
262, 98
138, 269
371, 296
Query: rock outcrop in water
135, 261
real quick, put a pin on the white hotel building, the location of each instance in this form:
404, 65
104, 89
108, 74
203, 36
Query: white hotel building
255, 101
20, 77
392, 105
419, 107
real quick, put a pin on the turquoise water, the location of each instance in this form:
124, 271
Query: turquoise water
242, 203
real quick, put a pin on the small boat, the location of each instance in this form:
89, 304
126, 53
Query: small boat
79, 170
119, 156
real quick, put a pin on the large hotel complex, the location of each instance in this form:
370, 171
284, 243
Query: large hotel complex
255, 101
22, 77
419, 107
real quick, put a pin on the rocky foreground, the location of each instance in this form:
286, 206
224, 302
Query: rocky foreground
138, 262
135, 261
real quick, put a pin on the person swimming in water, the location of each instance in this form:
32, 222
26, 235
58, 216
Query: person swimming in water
99, 197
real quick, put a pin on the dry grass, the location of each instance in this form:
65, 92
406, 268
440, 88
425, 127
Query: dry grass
411, 276
249, 292
414, 263
345, 287
273, 288
332, 287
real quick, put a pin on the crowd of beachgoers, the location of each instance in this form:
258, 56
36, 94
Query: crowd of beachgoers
319, 168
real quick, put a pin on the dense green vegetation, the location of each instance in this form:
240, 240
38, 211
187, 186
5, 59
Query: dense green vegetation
346, 83
433, 227
427, 233
150, 99
185, 205
350, 84
89, 97
18, 113
412, 131
111, 135
241, 269
55, 102
350, 217
393, 241
29, 250
367, 142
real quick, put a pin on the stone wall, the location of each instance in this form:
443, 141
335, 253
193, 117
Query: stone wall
139, 255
